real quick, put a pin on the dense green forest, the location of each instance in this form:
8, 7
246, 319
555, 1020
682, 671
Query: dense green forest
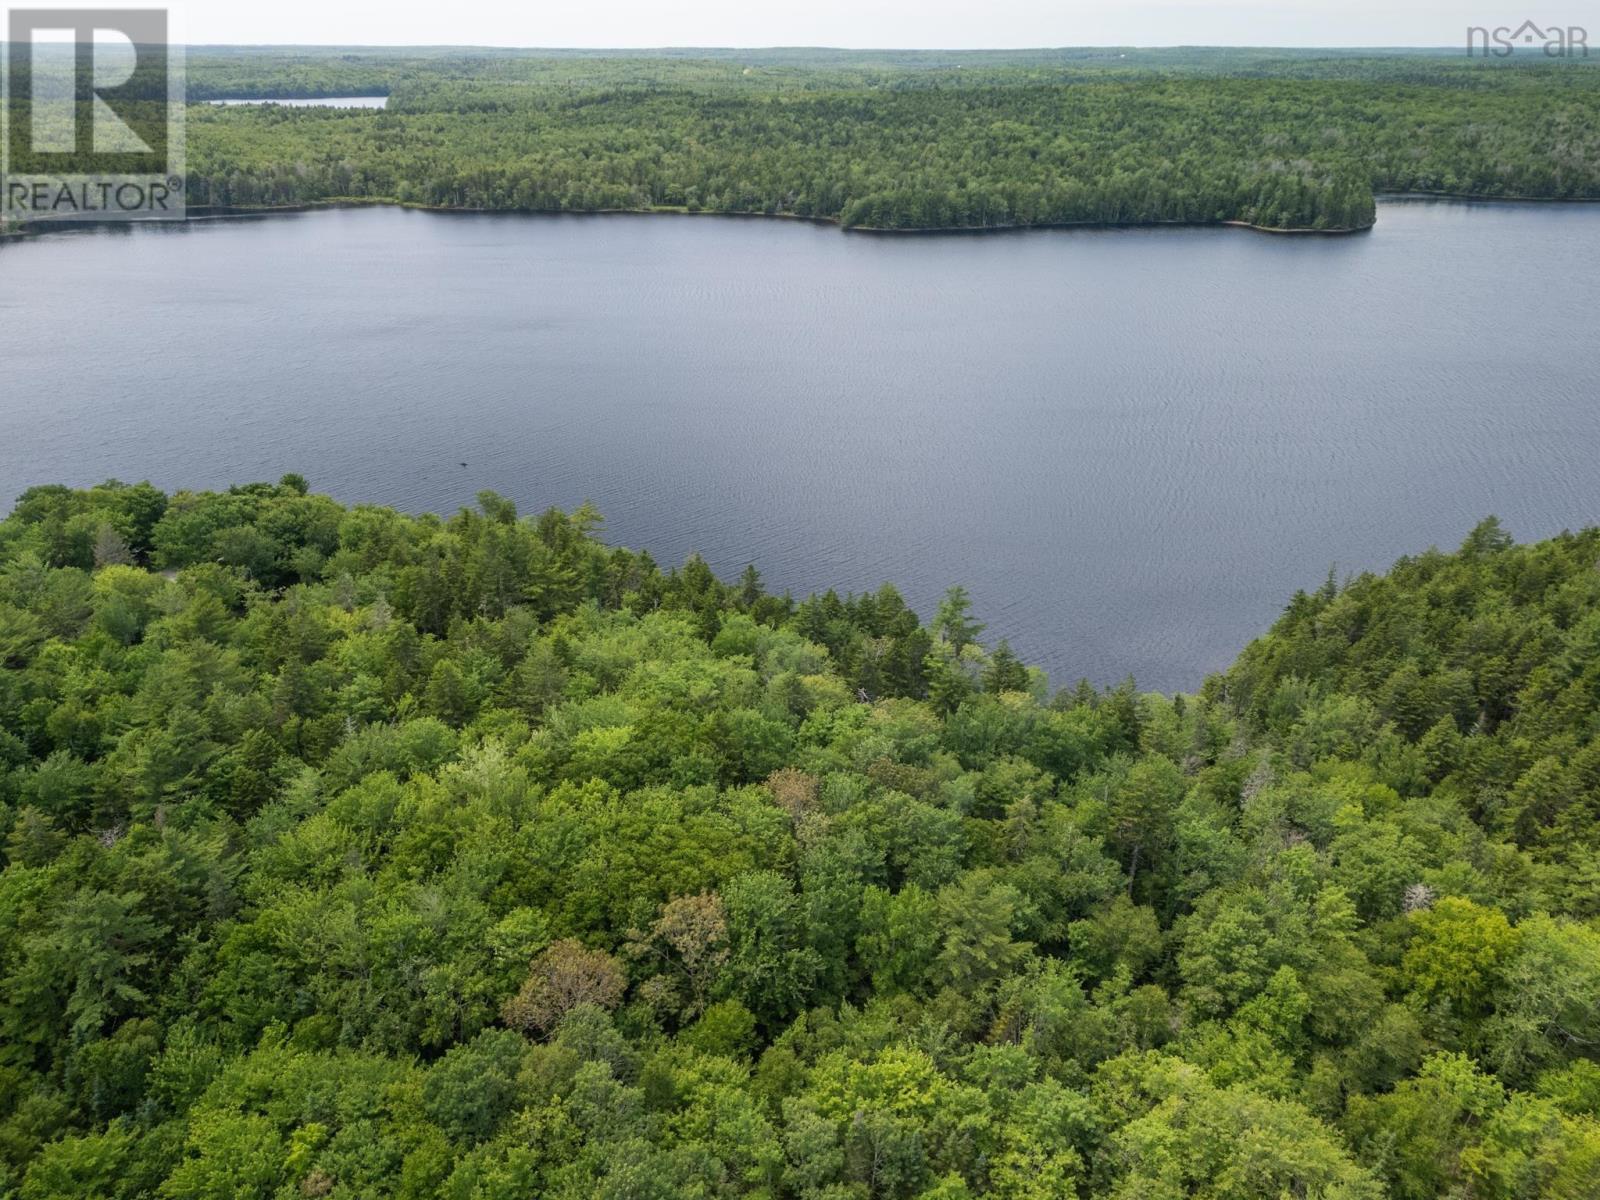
901, 141
354, 854
894, 139
253, 72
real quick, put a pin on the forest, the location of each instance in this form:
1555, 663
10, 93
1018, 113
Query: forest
348, 853
899, 140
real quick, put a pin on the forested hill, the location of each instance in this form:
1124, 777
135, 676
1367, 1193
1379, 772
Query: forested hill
352, 854
1285, 141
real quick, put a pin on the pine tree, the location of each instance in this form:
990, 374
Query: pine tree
954, 624
1005, 672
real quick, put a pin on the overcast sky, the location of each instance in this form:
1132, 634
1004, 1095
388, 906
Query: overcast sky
865, 23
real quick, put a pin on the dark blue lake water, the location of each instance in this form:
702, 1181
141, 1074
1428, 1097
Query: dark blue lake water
1131, 445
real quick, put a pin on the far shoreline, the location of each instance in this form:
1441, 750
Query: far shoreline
246, 212
29, 231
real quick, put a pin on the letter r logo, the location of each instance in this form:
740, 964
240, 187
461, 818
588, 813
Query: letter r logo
90, 83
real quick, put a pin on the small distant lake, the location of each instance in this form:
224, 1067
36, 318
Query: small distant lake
1132, 445
315, 102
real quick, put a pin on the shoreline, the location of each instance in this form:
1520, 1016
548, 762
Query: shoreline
26, 232
1473, 198
225, 212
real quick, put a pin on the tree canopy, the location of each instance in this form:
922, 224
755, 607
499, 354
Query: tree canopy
900, 140
349, 853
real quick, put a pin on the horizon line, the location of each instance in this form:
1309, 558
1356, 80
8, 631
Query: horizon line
659, 49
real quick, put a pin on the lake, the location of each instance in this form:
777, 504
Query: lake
315, 102
1131, 445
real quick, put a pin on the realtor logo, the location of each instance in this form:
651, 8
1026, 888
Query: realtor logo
1557, 41
93, 116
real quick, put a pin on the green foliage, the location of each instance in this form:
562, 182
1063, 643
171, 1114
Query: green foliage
347, 853
896, 140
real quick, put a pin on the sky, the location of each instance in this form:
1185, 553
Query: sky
942, 24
